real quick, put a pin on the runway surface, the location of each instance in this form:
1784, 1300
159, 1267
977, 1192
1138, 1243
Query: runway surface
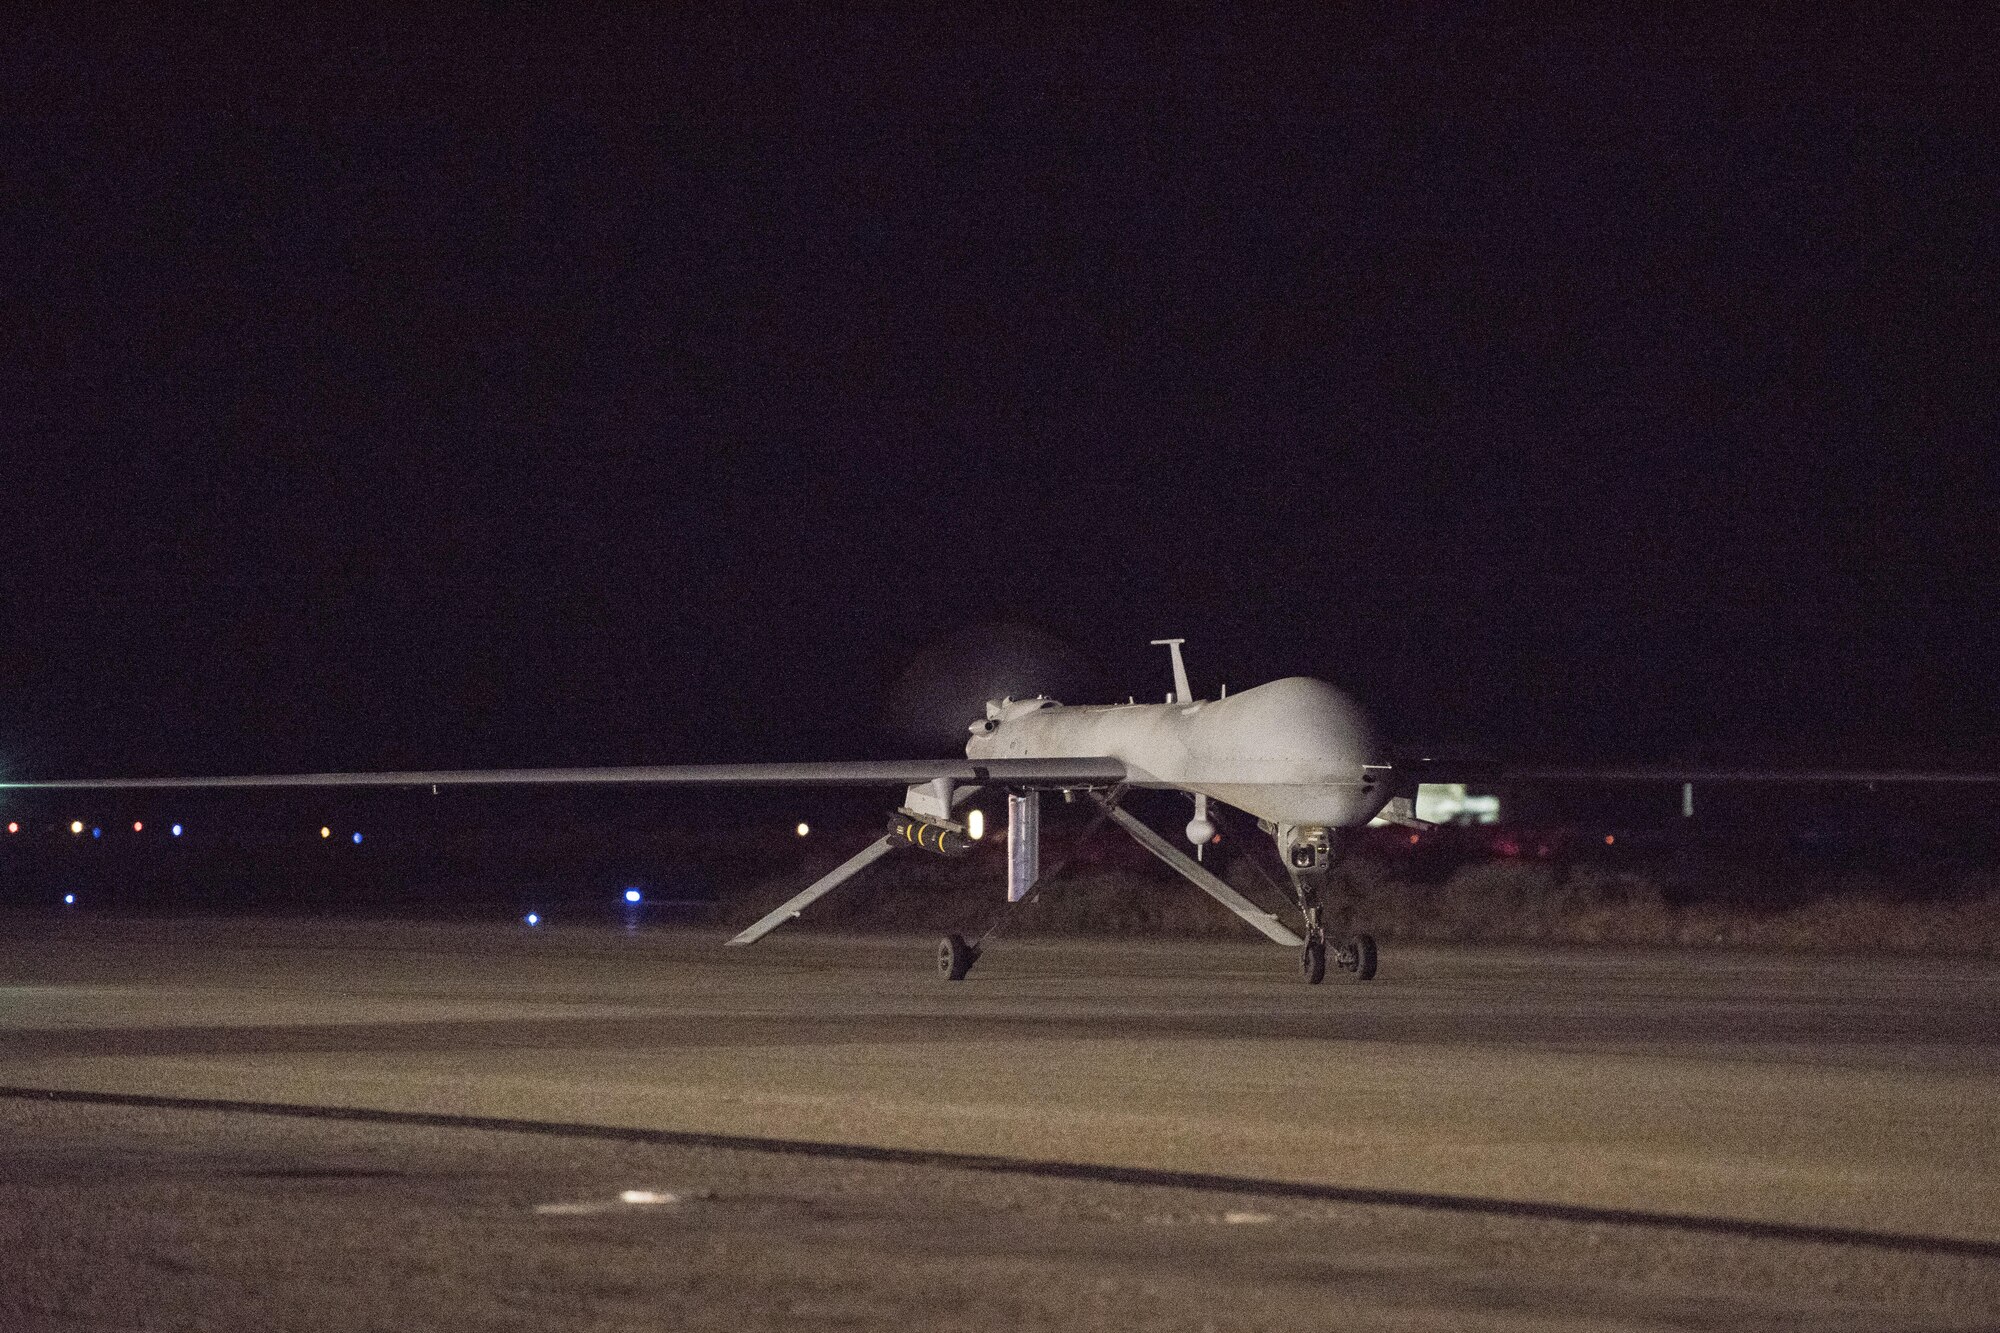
264, 1124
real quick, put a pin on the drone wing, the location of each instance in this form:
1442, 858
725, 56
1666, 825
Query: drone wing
1488, 772
1088, 772
1407, 776
1801, 776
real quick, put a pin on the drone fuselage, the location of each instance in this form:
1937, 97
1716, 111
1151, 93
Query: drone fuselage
1292, 752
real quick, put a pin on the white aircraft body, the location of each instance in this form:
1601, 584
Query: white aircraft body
1295, 751
1296, 754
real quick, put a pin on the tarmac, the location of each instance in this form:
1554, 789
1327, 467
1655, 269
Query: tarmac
271, 1124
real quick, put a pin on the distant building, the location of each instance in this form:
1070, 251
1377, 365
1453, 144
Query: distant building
1450, 803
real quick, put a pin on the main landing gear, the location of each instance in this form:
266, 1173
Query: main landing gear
955, 957
1308, 852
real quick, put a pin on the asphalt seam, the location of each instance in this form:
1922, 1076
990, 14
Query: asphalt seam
1154, 1177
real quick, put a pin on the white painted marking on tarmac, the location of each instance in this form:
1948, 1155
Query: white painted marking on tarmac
1246, 1219
625, 1199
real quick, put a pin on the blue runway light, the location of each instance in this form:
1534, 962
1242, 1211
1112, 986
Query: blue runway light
357, 839
631, 895
177, 830
69, 900
97, 833
533, 918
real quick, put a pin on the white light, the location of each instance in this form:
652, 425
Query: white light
70, 899
533, 918
325, 832
76, 826
803, 829
631, 895
646, 1197
975, 825
177, 830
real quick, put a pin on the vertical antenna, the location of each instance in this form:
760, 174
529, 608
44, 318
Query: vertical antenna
1182, 693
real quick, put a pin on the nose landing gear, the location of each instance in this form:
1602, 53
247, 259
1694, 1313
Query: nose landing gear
1310, 854
1356, 958
1312, 961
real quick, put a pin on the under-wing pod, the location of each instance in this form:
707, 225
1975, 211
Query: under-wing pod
945, 839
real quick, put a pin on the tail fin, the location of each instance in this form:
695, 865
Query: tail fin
1182, 694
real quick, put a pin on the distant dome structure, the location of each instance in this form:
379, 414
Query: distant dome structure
946, 687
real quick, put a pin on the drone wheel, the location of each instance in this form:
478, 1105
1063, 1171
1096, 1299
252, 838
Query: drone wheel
1312, 962
955, 957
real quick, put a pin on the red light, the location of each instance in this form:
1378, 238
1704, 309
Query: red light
137, 827
1413, 839
13, 827
1610, 838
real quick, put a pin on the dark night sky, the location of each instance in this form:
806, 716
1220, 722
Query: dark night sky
655, 391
